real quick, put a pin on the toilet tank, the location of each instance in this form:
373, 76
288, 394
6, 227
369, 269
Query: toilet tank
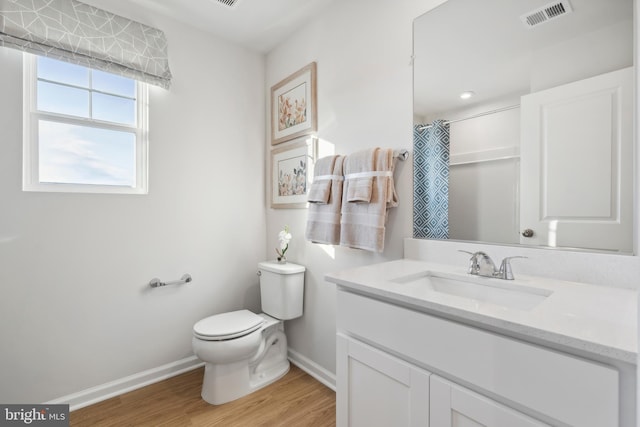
281, 289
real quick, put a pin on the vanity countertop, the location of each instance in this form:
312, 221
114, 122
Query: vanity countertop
596, 320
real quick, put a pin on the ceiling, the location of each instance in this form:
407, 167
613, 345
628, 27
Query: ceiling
483, 46
259, 25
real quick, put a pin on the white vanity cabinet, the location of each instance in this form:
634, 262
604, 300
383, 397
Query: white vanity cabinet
380, 390
400, 366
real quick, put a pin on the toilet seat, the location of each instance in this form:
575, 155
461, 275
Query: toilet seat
227, 326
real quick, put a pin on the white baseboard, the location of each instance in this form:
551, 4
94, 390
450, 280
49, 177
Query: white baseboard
312, 368
115, 388
111, 389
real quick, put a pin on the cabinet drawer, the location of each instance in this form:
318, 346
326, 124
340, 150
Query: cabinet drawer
569, 389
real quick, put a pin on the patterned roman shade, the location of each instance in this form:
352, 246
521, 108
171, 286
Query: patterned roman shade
76, 32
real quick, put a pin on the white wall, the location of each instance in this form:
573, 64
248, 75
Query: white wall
75, 308
484, 178
573, 59
363, 50
483, 201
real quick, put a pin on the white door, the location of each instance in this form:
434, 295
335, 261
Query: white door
456, 406
375, 389
577, 164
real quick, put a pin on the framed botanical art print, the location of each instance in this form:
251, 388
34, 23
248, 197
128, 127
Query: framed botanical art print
291, 171
293, 106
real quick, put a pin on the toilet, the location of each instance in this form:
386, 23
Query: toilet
244, 351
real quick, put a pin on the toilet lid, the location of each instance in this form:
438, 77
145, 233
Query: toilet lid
227, 325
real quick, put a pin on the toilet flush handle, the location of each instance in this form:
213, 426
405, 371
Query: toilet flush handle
259, 273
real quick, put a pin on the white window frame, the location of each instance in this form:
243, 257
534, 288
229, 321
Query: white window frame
31, 117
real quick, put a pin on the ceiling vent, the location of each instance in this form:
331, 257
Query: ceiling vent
228, 3
546, 13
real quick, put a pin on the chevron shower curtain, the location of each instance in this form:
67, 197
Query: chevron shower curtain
431, 181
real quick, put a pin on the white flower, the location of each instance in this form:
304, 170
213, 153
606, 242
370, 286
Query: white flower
284, 237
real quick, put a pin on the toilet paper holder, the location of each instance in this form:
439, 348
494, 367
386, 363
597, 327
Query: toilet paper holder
156, 283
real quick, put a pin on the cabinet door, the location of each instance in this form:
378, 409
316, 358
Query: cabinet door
456, 406
377, 389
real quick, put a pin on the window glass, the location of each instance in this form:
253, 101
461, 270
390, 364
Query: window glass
114, 109
114, 84
74, 154
59, 99
63, 72
85, 130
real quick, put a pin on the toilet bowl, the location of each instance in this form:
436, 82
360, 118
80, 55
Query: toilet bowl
244, 351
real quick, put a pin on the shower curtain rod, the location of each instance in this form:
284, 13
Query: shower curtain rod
486, 113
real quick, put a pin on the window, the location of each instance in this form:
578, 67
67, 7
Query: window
84, 130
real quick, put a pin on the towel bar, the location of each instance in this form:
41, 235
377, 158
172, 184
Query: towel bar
401, 154
156, 283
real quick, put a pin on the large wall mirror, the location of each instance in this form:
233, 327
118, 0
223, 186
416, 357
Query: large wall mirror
523, 123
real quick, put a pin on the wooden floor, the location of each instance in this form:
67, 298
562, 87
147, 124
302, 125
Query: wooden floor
295, 400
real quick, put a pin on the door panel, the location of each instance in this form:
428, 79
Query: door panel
577, 164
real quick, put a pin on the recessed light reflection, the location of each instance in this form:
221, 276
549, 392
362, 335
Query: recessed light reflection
468, 94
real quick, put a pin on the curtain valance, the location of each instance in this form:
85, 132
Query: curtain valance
76, 32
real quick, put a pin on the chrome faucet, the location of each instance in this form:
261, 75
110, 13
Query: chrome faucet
481, 264
505, 271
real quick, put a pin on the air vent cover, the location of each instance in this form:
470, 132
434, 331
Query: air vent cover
229, 3
546, 13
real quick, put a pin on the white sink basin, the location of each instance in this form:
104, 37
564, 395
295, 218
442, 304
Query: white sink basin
505, 293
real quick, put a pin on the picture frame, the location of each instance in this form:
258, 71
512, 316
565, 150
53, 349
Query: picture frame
291, 173
294, 106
